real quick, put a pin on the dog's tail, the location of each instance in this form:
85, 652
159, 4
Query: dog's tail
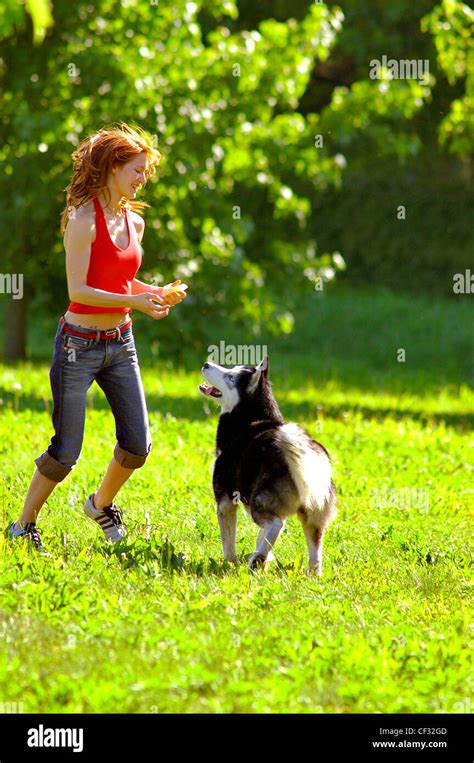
309, 467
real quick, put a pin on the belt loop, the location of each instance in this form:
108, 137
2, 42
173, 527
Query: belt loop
97, 337
120, 338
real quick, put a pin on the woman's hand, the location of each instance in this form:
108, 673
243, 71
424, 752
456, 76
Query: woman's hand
146, 303
173, 293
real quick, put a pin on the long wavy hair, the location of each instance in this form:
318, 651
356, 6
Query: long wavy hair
94, 158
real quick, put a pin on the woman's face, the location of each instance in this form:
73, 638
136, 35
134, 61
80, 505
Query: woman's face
128, 178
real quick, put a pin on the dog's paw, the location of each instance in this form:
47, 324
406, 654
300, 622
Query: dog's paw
257, 561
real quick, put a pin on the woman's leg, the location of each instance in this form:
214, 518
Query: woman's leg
71, 375
114, 478
121, 382
40, 489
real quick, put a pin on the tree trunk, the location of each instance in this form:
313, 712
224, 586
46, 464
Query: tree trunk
15, 329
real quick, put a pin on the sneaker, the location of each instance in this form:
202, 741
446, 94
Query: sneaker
109, 519
31, 533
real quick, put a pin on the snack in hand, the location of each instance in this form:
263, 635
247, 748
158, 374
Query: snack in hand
171, 289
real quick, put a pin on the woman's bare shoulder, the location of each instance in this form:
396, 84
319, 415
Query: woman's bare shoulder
81, 221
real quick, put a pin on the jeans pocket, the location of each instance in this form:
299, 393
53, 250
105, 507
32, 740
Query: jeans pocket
75, 348
76, 342
128, 341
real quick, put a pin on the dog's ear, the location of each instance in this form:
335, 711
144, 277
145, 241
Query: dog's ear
261, 370
263, 366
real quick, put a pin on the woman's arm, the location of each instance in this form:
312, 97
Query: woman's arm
138, 287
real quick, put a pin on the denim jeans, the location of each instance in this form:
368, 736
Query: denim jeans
113, 364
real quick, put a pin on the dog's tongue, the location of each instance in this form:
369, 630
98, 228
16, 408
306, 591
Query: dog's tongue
206, 389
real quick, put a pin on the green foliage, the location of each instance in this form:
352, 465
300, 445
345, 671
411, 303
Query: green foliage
238, 159
452, 25
401, 233
371, 115
237, 96
232, 208
387, 627
13, 17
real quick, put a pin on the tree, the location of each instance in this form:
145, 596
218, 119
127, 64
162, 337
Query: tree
231, 207
452, 26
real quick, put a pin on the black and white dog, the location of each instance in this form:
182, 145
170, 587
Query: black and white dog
274, 469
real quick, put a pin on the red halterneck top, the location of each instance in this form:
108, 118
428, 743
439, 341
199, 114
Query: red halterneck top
111, 268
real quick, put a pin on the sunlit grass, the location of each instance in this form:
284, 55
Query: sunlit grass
163, 625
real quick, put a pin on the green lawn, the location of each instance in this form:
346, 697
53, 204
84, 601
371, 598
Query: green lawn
165, 625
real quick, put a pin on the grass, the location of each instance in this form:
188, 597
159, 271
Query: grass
161, 624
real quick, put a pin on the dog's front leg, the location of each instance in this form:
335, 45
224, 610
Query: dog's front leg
227, 516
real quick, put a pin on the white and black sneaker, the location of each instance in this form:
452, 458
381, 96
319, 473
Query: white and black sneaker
30, 533
109, 518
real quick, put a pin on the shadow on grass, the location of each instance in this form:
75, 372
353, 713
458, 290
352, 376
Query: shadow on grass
149, 554
460, 421
194, 410
354, 335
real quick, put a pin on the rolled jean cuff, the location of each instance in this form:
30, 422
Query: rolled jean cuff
50, 468
129, 460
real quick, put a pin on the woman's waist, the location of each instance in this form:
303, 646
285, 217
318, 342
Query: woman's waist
98, 321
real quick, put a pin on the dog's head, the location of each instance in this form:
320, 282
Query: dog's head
229, 386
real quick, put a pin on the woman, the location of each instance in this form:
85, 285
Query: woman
94, 340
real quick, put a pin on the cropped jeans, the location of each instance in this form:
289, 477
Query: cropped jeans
113, 364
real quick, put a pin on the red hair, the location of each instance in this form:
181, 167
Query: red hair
97, 154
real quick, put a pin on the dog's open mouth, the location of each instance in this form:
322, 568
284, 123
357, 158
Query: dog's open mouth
210, 391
